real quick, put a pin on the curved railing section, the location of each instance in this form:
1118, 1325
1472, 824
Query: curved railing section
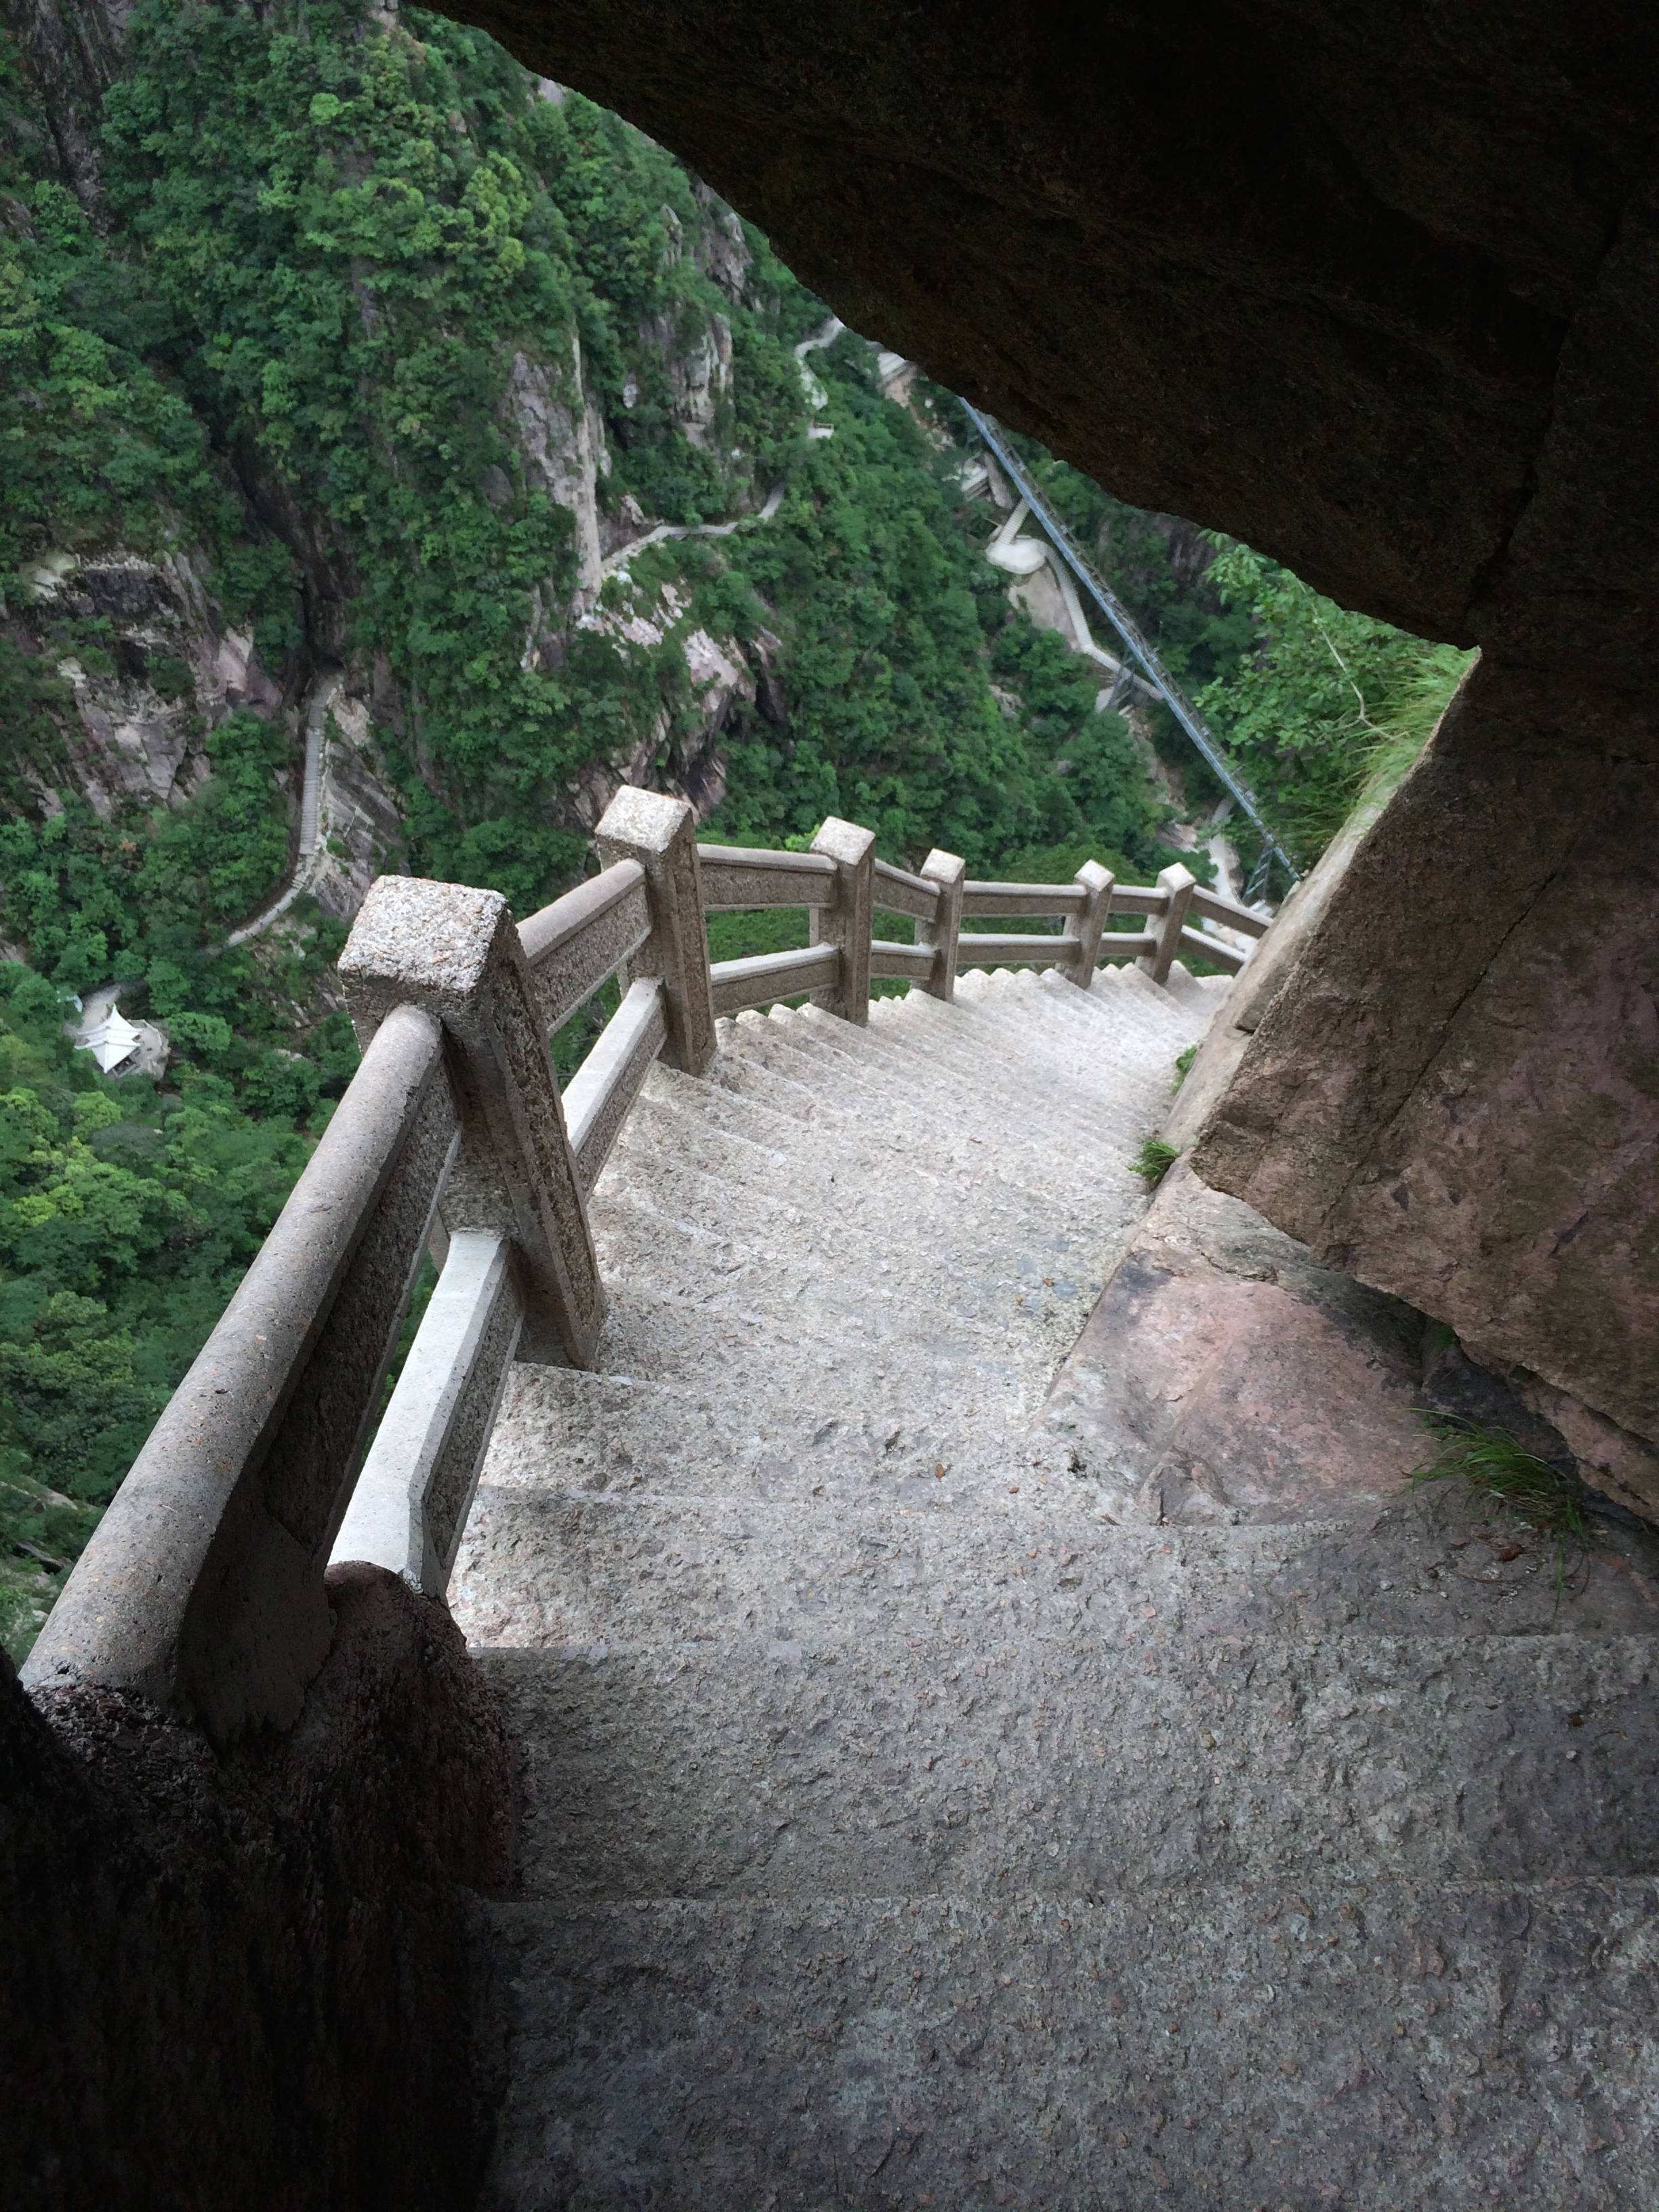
203, 1590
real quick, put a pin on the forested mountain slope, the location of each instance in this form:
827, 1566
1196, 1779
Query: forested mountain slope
353, 382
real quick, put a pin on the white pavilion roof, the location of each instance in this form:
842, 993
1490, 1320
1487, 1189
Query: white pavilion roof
113, 1041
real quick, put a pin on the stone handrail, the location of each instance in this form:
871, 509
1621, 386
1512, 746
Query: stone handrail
734, 880
203, 1589
894, 892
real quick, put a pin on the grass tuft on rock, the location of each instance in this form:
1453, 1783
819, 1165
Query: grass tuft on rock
1531, 1495
1154, 1160
1184, 1066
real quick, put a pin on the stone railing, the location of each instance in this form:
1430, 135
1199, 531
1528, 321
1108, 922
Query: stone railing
203, 1589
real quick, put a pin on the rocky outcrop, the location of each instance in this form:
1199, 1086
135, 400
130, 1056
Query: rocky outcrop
681, 749
71, 49
1456, 1093
561, 436
240, 1978
172, 669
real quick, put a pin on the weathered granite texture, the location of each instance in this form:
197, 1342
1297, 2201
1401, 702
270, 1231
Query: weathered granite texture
238, 1981
1225, 1377
456, 951
1456, 1094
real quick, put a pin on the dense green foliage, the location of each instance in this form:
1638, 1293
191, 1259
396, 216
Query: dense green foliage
96, 440
126, 1220
1327, 702
365, 234
891, 621
365, 230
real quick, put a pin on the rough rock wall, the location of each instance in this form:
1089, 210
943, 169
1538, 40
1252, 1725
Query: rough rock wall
561, 438
177, 668
1456, 1094
238, 1981
72, 48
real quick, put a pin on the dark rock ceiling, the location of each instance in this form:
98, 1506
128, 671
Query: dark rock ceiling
1372, 286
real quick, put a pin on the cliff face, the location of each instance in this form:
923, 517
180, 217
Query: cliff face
264, 589
71, 51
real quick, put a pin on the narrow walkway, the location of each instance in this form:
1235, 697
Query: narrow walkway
615, 564
313, 855
900, 1830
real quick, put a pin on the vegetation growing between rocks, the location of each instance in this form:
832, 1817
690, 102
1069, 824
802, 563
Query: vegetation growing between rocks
1535, 1499
1154, 1160
1326, 705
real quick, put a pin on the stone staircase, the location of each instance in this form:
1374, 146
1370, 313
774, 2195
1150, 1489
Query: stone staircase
899, 1828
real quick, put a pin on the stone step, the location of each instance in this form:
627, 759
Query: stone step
1098, 1066
1148, 1023
1056, 1025
1080, 1052
871, 1160
1088, 1047
655, 1537
917, 1234
1120, 993
1386, 2045
765, 1368
1045, 1113
743, 1281
900, 1830
861, 1173
914, 1766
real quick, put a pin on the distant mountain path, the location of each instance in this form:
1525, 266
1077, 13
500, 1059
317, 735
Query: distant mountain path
616, 563
826, 334
313, 842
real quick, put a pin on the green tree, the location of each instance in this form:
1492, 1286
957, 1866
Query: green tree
1327, 701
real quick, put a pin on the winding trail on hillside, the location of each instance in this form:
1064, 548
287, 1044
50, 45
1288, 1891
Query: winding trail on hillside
616, 563
313, 855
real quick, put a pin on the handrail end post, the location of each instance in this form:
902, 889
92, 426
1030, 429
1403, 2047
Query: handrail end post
847, 924
949, 870
1084, 927
660, 832
457, 952
1177, 884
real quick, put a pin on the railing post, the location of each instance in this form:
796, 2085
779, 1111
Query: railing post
456, 952
846, 925
947, 871
1177, 884
660, 834
1095, 883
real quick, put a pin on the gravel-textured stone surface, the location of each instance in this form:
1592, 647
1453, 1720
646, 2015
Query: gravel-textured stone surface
901, 1825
